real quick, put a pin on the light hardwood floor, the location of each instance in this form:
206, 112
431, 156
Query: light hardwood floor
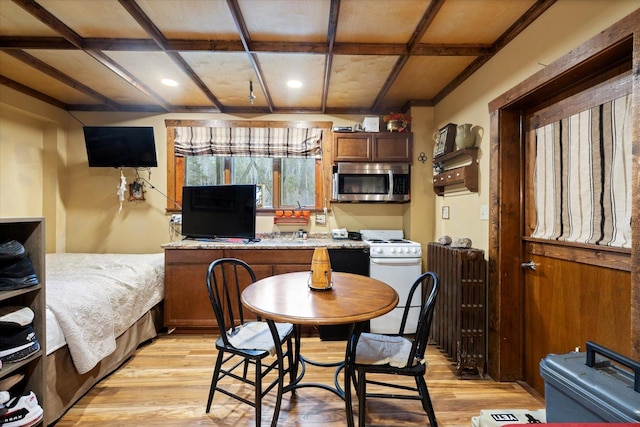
167, 383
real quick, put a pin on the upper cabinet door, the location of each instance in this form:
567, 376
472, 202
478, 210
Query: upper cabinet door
352, 147
372, 147
392, 147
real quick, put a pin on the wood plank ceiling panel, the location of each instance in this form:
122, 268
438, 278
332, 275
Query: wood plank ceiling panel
151, 67
355, 79
474, 22
286, 21
423, 77
379, 21
86, 70
20, 72
199, 20
95, 18
308, 69
228, 76
15, 21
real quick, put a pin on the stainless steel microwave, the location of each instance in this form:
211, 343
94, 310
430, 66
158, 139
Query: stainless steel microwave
371, 182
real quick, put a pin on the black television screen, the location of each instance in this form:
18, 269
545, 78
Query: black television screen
219, 211
120, 146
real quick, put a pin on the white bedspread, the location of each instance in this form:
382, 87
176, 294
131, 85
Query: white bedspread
96, 297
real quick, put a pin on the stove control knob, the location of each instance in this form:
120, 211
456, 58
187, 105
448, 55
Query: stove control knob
393, 250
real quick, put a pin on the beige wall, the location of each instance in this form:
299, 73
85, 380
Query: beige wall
44, 172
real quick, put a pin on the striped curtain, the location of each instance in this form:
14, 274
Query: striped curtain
248, 142
582, 177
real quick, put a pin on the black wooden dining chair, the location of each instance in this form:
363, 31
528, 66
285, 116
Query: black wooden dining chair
243, 343
394, 355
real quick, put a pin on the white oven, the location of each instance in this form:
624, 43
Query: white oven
397, 262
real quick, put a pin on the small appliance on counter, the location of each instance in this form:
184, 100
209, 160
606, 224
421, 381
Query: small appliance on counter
339, 233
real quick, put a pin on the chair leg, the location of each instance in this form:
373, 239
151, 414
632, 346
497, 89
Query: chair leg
258, 390
362, 398
426, 401
214, 379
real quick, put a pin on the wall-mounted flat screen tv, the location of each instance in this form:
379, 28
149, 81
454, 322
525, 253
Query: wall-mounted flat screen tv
120, 146
219, 211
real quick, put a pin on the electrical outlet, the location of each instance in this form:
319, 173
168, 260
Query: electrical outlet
176, 218
321, 219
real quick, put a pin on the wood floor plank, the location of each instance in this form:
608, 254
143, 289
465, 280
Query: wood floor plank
167, 383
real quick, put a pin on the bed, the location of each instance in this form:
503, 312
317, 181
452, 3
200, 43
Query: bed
100, 308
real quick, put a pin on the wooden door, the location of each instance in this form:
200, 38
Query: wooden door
573, 293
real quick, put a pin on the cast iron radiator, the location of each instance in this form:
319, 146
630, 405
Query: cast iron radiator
459, 321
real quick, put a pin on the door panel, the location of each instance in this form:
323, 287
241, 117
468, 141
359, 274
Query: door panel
567, 304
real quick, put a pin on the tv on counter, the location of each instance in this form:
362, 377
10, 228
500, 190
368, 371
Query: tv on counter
219, 211
120, 146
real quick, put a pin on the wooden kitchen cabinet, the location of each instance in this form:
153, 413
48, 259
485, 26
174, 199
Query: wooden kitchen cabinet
186, 305
372, 147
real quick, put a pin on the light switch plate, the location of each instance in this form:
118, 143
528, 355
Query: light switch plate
484, 212
445, 212
321, 218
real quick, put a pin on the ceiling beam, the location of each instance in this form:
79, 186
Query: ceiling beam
37, 64
417, 35
31, 92
145, 45
51, 21
150, 28
523, 22
243, 32
72, 37
334, 11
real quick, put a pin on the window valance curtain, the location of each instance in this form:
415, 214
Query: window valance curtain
251, 142
583, 176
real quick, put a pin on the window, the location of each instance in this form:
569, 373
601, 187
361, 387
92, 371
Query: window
296, 178
235, 152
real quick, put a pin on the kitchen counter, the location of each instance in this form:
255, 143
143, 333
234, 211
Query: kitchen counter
186, 305
283, 241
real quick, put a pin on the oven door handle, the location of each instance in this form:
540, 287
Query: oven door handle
396, 261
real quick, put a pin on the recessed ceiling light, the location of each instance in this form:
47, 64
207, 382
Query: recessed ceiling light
295, 84
169, 82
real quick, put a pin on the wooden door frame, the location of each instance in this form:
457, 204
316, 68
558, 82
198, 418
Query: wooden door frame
615, 45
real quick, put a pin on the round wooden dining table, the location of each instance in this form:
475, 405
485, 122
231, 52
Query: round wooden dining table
288, 298
352, 299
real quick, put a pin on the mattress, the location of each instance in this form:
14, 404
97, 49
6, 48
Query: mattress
93, 298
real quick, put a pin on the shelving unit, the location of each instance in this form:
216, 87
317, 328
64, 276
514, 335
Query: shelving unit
30, 232
466, 175
290, 220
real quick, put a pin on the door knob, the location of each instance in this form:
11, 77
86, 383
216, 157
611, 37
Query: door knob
530, 265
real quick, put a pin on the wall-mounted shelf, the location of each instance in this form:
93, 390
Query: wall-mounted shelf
290, 220
466, 175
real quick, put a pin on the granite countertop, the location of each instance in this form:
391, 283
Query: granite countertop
270, 241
